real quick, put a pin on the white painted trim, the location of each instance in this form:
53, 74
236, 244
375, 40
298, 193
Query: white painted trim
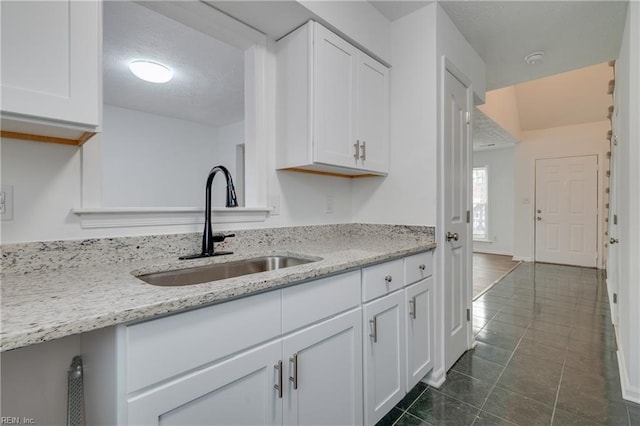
629, 392
119, 217
435, 379
492, 251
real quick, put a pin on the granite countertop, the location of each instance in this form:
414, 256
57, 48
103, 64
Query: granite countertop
56, 289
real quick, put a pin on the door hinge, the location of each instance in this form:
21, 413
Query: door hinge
468, 117
615, 219
468, 216
468, 314
615, 297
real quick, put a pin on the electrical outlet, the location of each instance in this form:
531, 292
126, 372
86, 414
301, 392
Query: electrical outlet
275, 205
330, 203
6, 202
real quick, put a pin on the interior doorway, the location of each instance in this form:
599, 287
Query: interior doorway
566, 210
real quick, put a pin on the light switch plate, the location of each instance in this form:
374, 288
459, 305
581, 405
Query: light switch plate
6, 202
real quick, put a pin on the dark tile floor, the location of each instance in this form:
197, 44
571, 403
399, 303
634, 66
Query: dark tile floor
545, 354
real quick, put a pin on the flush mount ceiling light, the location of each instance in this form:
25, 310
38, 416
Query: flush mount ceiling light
534, 58
150, 71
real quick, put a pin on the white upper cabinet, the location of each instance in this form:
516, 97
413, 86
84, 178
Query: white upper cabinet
333, 105
51, 77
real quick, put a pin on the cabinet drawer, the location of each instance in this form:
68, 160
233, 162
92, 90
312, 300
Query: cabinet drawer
379, 280
162, 348
418, 266
310, 302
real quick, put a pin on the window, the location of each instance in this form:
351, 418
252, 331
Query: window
480, 201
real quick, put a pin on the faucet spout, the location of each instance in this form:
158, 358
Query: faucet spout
208, 237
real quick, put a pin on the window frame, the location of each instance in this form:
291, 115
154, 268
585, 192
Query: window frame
487, 210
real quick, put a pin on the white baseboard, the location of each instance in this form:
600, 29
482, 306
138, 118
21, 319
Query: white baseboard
491, 251
630, 393
523, 258
435, 378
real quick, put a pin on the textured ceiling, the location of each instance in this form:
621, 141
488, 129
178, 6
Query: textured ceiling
394, 9
487, 134
208, 83
573, 34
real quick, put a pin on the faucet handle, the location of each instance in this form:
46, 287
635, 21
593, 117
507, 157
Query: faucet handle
218, 237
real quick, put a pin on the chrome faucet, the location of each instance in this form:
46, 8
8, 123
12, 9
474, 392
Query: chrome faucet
208, 237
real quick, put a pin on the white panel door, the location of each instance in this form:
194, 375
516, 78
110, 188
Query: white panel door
238, 391
385, 355
456, 251
323, 366
373, 114
567, 210
419, 302
335, 100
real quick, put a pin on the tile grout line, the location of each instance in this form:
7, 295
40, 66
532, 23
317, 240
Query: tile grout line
555, 403
406, 411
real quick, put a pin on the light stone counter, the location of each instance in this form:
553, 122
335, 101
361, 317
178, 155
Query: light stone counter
55, 289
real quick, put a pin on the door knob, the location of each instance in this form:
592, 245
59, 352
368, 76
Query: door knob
613, 240
539, 218
453, 236
539, 211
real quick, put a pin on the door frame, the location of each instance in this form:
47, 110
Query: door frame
438, 375
599, 205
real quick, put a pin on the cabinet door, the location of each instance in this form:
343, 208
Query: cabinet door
373, 114
334, 103
384, 362
51, 59
419, 331
325, 373
238, 391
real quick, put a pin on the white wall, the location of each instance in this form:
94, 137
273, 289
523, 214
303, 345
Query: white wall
155, 161
408, 194
566, 141
628, 196
501, 173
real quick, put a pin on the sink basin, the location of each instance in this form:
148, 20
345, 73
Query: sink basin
220, 271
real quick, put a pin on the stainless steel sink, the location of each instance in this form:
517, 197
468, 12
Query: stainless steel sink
220, 271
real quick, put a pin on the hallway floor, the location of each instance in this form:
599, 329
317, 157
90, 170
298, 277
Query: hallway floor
545, 354
489, 268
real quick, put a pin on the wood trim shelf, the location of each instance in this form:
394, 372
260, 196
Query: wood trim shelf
323, 173
48, 139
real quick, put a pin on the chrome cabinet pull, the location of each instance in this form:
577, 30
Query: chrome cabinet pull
278, 386
294, 378
422, 267
357, 148
412, 308
388, 278
374, 323
453, 236
364, 151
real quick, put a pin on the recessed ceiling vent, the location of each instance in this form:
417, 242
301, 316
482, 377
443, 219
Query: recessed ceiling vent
534, 58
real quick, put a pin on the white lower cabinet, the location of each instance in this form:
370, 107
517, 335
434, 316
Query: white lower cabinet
419, 299
324, 373
294, 379
237, 391
316, 353
384, 361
